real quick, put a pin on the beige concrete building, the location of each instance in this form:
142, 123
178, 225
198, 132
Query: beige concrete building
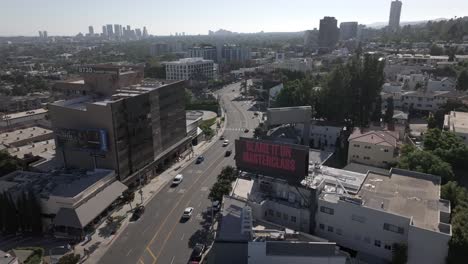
190, 69
375, 148
25, 136
22, 119
457, 122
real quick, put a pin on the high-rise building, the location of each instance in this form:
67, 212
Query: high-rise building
328, 33
159, 49
205, 52
41, 34
91, 30
138, 32
45, 33
104, 31
145, 32
348, 30
395, 13
190, 69
117, 31
110, 31
231, 53
135, 131
310, 39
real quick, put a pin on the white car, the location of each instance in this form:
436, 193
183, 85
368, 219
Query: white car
187, 213
225, 143
177, 179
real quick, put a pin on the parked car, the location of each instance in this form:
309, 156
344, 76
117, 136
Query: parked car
216, 206
221, 137
197, 253
200, 159
177, 179
225, 143
228, 153
246, 130
137, 213
187, 213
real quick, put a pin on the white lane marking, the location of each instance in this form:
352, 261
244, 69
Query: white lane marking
130, 251
199, 204
183, 235
172, 261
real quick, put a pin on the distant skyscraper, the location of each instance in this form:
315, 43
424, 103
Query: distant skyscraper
110, 31
117, 30
104, 31
41, 35
138, 32
145, 32
395, 13
45, 33
328, 32
310, 39
348, 30
91, 30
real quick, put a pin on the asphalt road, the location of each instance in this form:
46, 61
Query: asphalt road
159, 236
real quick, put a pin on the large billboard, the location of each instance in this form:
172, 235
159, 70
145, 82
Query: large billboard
92, 140
280, 160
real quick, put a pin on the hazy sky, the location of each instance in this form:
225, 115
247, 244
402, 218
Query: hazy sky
163, 17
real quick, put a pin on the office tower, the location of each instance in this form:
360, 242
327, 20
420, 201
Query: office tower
231, 53
117, 32
310, 39
138, 128
206, 52
395, 12
110, 31
104, 31
91, 30
145, 32
348, 30
45, 33
159, 49
328, 33
138, 32
41, 35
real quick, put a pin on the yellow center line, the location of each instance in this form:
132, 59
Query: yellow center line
151, 252
167, 217
170, 233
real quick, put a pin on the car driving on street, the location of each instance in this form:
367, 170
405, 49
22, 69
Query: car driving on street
177, 179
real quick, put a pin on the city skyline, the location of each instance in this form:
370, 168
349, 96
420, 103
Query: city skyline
303, 15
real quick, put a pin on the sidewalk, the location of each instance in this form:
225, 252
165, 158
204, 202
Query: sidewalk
102, 238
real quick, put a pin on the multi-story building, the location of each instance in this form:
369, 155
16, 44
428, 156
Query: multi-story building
401, 207
310, 39
234, 53
91, 31
190, 69
444, 84
135, 131
110, 31
457, 122
323, 134
12, 104
348, 30
104, 31
375, 148
159, 49
328, 33
293, 64
395, 13
205, 52
24, 119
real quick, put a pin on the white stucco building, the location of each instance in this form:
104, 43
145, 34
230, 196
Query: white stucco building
457, 122
190, 69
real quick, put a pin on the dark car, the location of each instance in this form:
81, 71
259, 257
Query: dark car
228, 153
246, 130
197, 252
137, 213
200, 159
221, 137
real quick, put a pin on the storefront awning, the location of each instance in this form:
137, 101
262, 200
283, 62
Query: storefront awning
85, 213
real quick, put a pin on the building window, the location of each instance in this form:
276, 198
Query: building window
339, 231
278, 214
356, 145
367, 147
293, 219
270, 212
393, 228
322, 226
327, 210
388, 247
377, 243
385, 150
330, 229
285, 216
358, 218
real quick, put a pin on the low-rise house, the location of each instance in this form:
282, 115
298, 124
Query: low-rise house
444, 84
375, 148
457, 122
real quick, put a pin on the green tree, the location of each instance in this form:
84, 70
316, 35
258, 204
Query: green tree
399, 253
219, 189
70, 259
389, 112
436, 50
431, 121
458, 244
462, 81
426, 162
448, 146
377, 114
9, 163
457, 195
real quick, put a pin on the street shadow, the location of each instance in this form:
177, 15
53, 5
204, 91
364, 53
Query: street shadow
108, 230
201, 236
93, 247
183, 220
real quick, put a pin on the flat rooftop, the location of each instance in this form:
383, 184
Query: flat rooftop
230, 228
44, 149
405, 193
33, 112
458, 122
332, 177
186, 61
27, 135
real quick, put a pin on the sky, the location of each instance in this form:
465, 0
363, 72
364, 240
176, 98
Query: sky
165, 17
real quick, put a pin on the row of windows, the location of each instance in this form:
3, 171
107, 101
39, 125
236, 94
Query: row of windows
327, 210
366, 239
285, 216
